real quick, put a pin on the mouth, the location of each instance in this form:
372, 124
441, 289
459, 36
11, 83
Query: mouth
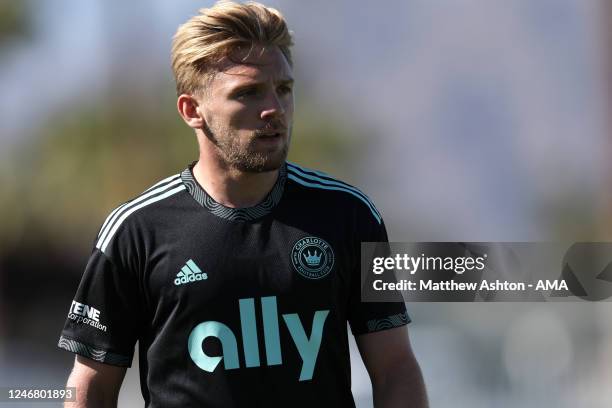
270, 136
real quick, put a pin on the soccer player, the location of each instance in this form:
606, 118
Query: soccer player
238, 275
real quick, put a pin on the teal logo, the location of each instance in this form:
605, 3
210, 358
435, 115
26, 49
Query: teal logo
312, 257
307, 346
190, 272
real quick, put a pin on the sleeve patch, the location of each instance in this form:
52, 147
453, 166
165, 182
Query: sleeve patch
93, 353
390, 322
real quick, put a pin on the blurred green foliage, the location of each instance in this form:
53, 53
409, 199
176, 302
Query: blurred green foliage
14, 21
99, 153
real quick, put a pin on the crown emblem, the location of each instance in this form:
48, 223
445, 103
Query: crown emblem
312, 259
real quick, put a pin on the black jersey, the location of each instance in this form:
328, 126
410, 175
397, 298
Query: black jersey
232, 307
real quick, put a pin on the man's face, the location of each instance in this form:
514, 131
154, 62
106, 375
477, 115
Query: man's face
248, 110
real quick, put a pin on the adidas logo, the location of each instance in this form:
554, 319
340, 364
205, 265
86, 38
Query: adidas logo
189, 273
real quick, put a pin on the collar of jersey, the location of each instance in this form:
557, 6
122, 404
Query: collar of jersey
235, 214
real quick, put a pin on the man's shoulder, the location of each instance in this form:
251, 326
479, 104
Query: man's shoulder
149, 200
332, 190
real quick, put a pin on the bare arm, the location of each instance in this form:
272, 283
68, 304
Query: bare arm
395, 374
97, 385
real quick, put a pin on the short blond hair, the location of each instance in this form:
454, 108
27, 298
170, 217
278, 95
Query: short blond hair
206, 39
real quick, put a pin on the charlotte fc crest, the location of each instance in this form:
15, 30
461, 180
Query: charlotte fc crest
312, 257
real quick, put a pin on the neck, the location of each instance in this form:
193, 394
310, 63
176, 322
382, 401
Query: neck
231, 187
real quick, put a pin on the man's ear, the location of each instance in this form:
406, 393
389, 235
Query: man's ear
190, 110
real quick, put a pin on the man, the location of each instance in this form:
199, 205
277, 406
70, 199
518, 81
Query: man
238, 275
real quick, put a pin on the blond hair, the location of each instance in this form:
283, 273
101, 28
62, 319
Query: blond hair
206, 39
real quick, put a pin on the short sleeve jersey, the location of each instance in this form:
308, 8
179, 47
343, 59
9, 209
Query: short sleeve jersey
232, 307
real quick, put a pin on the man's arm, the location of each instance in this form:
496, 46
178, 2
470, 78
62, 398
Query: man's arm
395, 374
97, 385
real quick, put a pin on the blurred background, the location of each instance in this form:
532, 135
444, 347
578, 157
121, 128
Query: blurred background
464, 120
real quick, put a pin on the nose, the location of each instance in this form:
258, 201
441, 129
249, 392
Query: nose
273, 107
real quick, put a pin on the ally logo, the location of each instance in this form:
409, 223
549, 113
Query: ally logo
307, 346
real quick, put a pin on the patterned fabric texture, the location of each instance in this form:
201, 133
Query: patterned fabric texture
93, 353
235, 214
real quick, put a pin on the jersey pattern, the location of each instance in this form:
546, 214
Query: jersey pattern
232, 307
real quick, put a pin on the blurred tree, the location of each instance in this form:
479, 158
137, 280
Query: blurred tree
325, 141
14, 21
95, 156
100, 153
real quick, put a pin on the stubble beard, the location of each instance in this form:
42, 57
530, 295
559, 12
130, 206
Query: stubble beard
243, 158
